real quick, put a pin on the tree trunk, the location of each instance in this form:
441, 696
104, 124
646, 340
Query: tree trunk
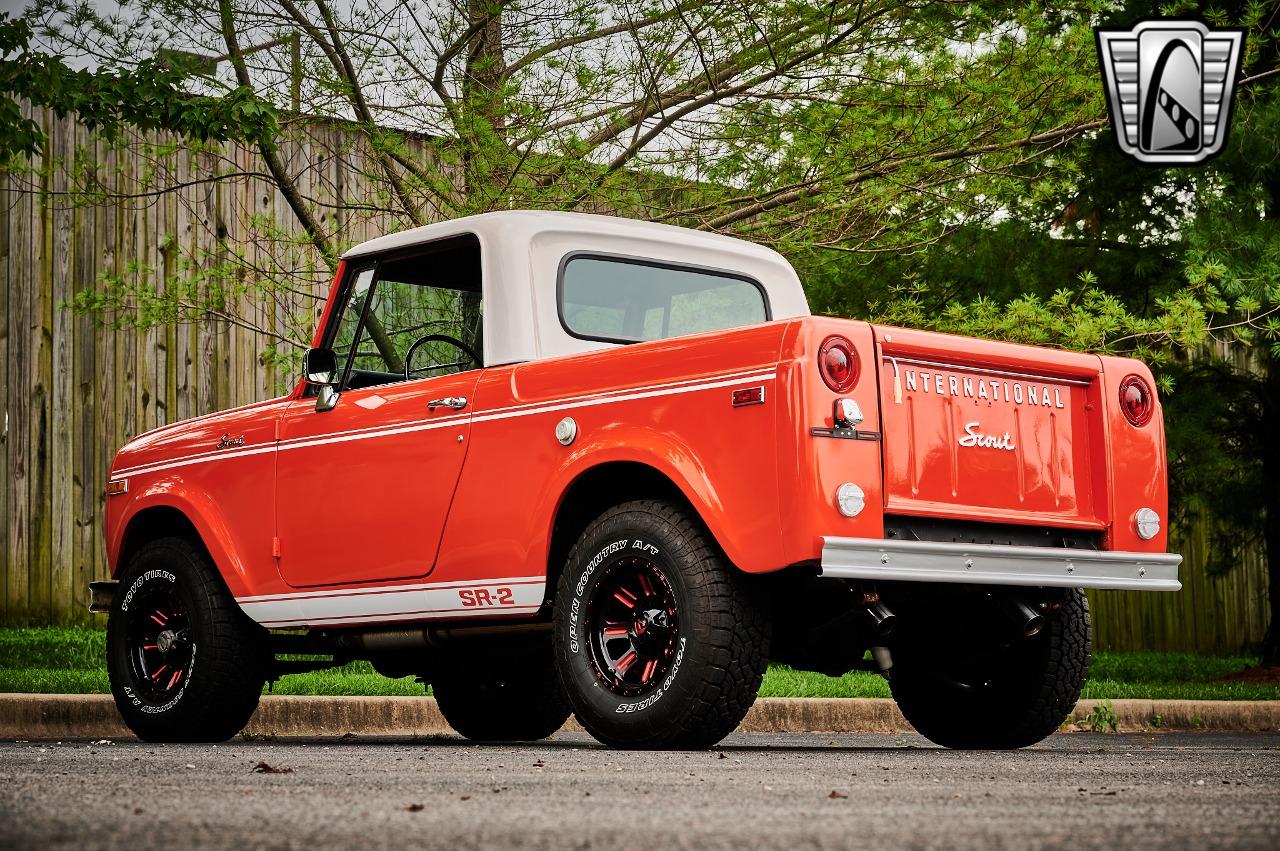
482, 106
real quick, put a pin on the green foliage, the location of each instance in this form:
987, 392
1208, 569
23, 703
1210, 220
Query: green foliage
1102, 719
783, 681
148, 96
1087, 318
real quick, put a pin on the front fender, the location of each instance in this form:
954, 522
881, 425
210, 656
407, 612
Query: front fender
199, 507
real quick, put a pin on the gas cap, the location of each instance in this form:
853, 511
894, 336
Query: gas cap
566, 431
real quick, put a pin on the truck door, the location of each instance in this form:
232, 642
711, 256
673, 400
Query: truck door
364, 484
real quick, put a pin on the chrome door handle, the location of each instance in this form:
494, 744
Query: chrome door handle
455, 402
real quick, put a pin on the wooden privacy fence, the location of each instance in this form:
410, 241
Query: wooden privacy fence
73, 391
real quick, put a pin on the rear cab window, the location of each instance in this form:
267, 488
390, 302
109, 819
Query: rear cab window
626, 300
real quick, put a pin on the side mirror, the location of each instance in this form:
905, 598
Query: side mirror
320, 366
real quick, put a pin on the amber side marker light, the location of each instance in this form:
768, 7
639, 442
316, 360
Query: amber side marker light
117, 487
1137, 401
838, 363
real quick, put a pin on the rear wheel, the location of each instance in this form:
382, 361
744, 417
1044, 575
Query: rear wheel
507, 692
995, 693
660, 642
185, 663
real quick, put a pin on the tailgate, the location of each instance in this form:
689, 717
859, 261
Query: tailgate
993, 432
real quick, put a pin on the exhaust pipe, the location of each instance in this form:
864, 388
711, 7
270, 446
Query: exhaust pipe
1028, 621
882, 619
422, 638
883, 659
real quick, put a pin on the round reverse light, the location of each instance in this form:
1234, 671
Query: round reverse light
1137, 401
838, 363
850, 499
1147, 522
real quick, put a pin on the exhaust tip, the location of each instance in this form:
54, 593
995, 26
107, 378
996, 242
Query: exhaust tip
883, 620
1030, 622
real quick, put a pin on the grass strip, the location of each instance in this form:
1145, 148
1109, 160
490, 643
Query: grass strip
69, 660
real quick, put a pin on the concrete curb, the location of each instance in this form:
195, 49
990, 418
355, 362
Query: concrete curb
93, 716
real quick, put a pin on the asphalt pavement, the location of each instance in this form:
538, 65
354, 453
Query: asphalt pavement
1077, 790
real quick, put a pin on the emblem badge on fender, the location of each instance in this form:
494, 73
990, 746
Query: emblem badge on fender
1169, 86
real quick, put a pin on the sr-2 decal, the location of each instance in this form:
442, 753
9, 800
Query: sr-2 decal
341, 607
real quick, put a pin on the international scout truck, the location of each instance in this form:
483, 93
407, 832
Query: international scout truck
551, 463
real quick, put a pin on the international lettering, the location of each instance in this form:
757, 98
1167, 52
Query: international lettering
1025, 393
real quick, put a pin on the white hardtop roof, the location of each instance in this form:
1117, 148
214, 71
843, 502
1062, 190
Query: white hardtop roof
528, 223
521, 252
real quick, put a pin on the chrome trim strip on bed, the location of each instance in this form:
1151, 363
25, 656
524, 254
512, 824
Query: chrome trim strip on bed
994, 564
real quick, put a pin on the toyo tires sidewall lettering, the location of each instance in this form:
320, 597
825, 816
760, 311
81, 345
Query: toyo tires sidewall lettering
229, 656
118, 650
607, 551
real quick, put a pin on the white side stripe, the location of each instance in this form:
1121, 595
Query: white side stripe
593, 400
401, 617
407, 602
507, 413
383, 589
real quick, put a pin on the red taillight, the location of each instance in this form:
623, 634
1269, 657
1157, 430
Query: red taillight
838, 363
1136, 400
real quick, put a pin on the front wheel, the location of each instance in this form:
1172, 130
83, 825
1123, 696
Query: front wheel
964, 692
660, 642
185, 663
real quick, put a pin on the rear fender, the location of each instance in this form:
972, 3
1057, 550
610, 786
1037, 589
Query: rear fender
733, 509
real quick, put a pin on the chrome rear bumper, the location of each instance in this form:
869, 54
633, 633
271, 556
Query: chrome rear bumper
992, 564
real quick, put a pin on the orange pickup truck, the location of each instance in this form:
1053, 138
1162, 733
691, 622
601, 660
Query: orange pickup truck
552, 463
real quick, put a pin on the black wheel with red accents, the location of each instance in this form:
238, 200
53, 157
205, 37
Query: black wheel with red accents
158, 637
634, 627
660, 642
185, 663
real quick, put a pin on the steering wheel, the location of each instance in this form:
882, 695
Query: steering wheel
441, 338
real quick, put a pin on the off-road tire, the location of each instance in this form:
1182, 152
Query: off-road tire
719, 645
1031, 691
213, 698
507, 695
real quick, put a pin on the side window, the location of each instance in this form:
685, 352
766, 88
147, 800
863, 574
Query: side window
406, 317
349, 322
628, 301
413, 317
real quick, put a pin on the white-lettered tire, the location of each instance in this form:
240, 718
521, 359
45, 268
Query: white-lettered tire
503, 693
1000, 695
185, 663
660, 642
